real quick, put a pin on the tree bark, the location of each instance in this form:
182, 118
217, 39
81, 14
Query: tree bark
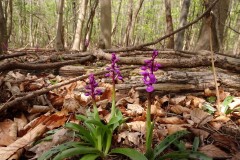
130, 16
105, 24
214, 22
3, 29
80, 22
236, 48
89, 26
134, 19
183, 21
170, 40
59, 44
116, 20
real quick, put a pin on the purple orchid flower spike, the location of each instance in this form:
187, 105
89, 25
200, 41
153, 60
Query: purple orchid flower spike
114, 70
147, 71
91, 88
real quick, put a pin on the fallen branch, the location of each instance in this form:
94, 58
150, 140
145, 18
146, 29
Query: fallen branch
5, 56
39, 92
10, 65
224, 62
164, 37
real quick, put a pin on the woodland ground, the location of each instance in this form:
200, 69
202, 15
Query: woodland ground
40, 94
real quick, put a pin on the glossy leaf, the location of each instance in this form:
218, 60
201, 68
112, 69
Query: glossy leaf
167, 141
90, 157
185, 154
76, 151
131, 153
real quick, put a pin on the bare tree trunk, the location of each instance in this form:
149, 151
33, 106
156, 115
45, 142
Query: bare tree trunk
106, 24
215, 22
89, 27
3, 29
134, 18
130, 15
59, 44
170, 40
183, 22
31, 25
80, 22
236, 48
116, 20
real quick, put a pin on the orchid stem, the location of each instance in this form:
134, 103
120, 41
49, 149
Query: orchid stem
113, 100
149, 124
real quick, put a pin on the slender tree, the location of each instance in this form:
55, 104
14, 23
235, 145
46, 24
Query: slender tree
59, 44
183, 21
105, 24
170, 41
213, 21
134, 19
80, 23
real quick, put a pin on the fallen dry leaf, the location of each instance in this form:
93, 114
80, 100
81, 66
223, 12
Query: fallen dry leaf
61, 136
134, 109
224, 141
39, 109
21, 121
8, 151
171, 120
174, 128
139, 126
199, 132
213, 151
178, 109
236, 156
200, 117
177, 100
8, 132
131, 136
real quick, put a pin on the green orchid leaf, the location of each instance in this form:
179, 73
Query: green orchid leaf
81, 117
76, 151
50, 153
82, 131
180, 145
90, 157
167, 141
185, 154
131, 153
195, 144
212, 99
209, 107
225, 103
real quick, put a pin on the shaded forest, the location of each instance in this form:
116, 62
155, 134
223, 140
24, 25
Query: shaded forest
119, 79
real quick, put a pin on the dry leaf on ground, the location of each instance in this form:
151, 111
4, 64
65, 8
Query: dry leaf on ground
8, 132
213, 151
171, 120
174, 128
177, 100
130, 136
178, 109
139, 126
134, 109
8, 151
200, 117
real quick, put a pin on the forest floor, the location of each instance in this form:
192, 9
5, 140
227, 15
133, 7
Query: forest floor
35, 124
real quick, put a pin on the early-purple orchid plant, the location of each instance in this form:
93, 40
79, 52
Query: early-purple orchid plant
115, 74
93, 91
149, 79
148, 76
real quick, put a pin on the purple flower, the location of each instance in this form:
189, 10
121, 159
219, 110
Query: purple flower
91, 88
114, 70
147, 71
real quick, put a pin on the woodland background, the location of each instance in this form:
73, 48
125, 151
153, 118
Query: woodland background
49, 47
